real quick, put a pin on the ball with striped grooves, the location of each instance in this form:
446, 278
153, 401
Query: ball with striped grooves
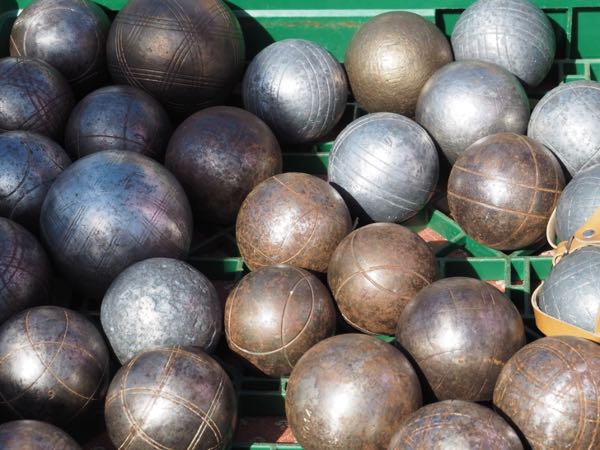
34, 435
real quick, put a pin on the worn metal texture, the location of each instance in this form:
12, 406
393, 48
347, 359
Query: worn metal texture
34, 435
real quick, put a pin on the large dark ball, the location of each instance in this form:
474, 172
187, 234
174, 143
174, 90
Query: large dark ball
460, 332
34, 435
219, 155
375, 271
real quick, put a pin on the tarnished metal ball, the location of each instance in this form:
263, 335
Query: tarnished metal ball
34, 435
110, 210
375, 271
385, 166
550, 391
291, 218
219, 155
298, 88
514, 34
390, 58
186, 53
503, 189
177, 397
465, 101
461, 331
275, 314
350, 391
118, 118
53, 365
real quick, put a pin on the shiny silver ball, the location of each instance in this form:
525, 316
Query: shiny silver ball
385, 166
298, 88
514, 34
34, 435
465, 101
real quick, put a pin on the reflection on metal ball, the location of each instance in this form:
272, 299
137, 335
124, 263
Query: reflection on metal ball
34, 435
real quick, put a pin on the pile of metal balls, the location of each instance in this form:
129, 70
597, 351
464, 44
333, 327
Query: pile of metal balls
116, 149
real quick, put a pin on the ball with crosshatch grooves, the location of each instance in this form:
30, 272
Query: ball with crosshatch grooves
109, 210
550, 391
461, 331
375, 271
34, 435
53, 365
171, 398
298, 88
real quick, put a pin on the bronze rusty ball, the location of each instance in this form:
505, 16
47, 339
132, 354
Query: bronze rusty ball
350, 391
390, 58
502, 190
34, 435
460, 332
550, 389
375, 271
219, 155
292, 218
275, 314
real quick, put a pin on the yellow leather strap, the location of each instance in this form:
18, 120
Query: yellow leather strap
588, 234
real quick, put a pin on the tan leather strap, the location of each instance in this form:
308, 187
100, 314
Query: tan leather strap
588, 234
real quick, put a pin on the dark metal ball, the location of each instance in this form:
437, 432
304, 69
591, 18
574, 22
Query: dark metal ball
461, 331
350, 391
219, 155
503, 189
390, 58
291, 218
550, 391
275, 314
186, 53
118, 118
386, 167
34, 96
375, 271
53, 365
34, 435
298, 88
110, 210
171, 398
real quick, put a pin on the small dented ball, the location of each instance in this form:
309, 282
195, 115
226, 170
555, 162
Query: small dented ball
34, 435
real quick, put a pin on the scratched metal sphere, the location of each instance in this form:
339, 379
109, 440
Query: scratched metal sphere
176, 398
34, 435
455, 425
118, 118
34, 96
53, 365
187, 53
514, 34
566, 121
465, 101
219, 155
461, 331
350, 391
298, 88
385, 166
390, 58
503, 189
291, 218
550, 391
375, 271
109, 210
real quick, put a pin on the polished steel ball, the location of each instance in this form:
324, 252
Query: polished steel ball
34, 435
298, 88
292, 218
550, 391
219, 155
186, 53
461, 331
53, 365
375, 271
465, 101
110, 210
385, 166
118, 118
514, 34
171, 398
390, 58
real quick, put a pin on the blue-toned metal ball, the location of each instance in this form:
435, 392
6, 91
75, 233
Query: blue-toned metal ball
34, 435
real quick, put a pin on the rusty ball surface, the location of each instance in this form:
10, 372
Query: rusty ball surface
375, 271
291, 218
503, 189
219, 155
34, 435
550, 390
461, 331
